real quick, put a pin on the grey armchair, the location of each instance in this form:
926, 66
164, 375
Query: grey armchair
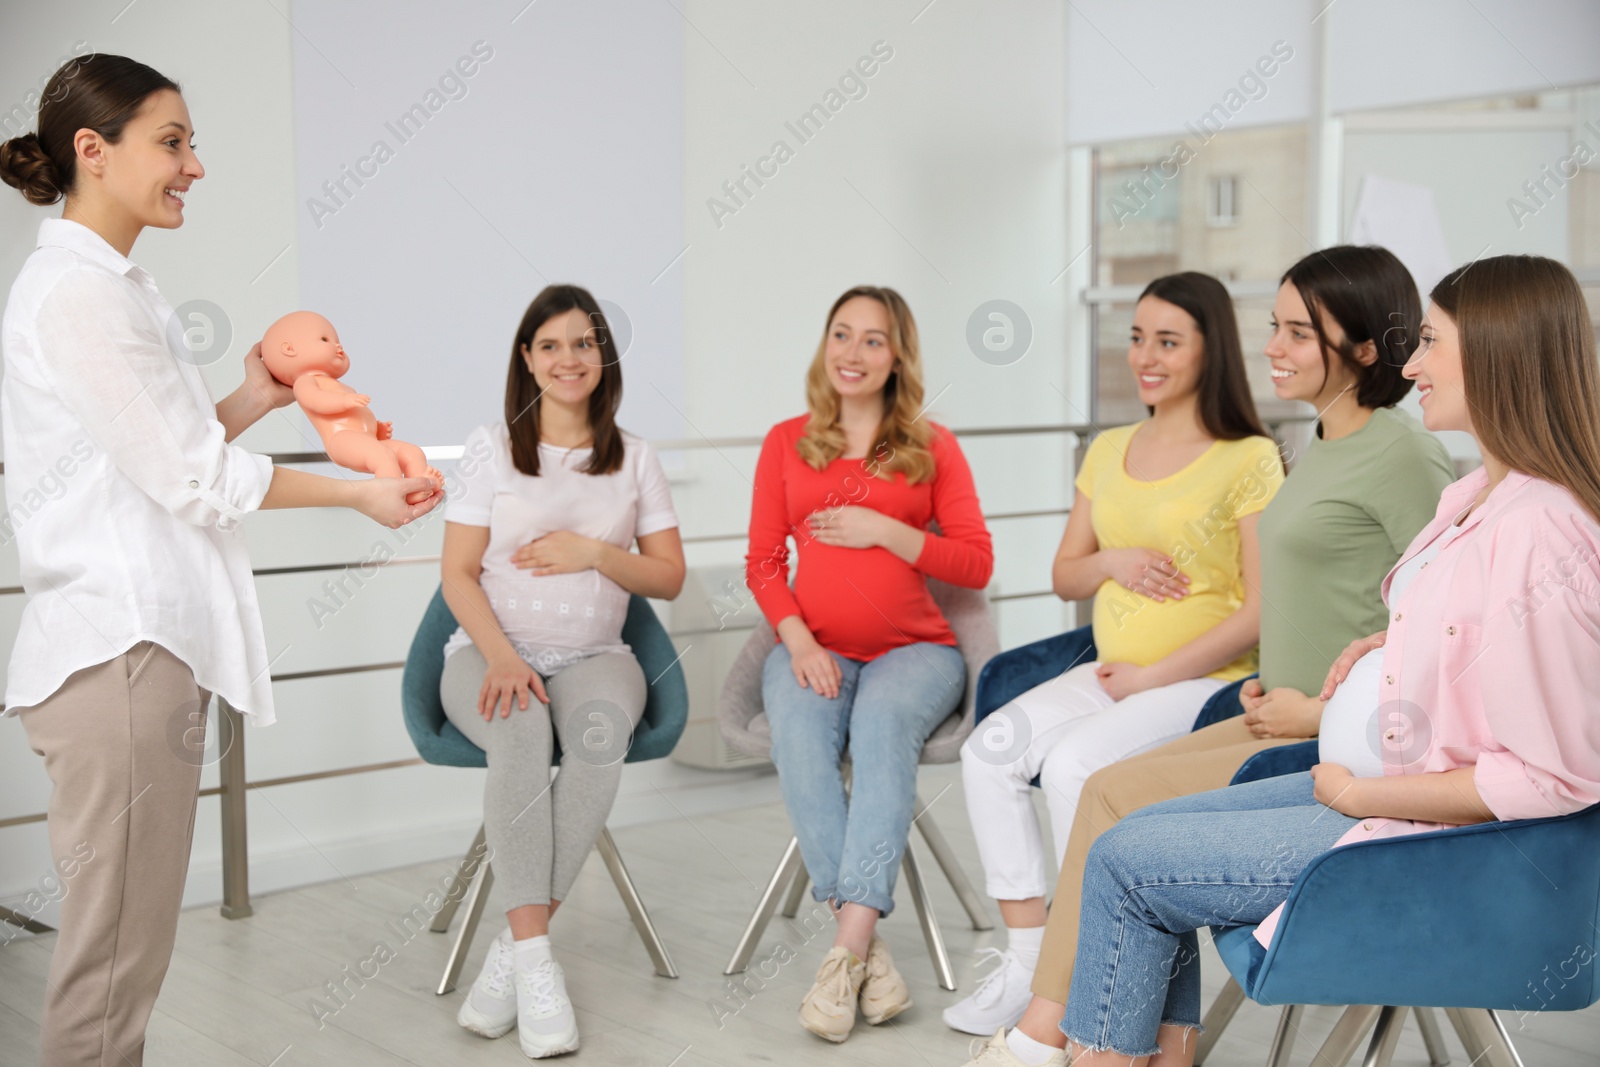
743, 724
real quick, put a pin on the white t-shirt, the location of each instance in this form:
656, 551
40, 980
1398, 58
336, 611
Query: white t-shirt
555, 620
1351, 730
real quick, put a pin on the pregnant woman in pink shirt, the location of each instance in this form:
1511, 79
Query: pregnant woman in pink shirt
1477, 699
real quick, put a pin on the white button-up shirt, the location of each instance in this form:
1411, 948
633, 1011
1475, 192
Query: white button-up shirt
122, 494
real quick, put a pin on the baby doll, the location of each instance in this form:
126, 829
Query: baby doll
302, 350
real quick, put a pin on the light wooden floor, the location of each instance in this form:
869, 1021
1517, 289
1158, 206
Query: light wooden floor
239, 993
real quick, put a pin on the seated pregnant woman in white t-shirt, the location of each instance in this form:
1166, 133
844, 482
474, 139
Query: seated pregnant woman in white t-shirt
538, 571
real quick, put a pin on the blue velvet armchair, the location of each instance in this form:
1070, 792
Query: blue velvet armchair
439, 742
1477, 919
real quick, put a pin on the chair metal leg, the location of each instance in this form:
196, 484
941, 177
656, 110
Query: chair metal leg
1489, 1041
930, 925
976, 912
1283, 1040
1432, 1039
1347, 1034
789, 868
1471, 1043
1507, 1051
1380, 1053
1217, 1018
465, 870
635, 905
477, 897
797, 893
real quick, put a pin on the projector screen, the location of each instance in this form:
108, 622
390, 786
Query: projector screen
453, 159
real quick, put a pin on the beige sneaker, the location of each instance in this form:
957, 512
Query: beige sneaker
883, 994
829, 1009
996, 1053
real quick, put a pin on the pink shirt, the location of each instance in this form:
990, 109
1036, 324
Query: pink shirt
1492, 659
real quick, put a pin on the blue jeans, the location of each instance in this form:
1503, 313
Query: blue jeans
886, 708
1223, 858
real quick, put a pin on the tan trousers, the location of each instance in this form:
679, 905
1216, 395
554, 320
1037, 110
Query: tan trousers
123, 744
1203, 760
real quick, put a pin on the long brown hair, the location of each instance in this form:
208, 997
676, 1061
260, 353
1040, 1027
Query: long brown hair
902, 440
98, 92
522, 391
1223, 393
1528, 368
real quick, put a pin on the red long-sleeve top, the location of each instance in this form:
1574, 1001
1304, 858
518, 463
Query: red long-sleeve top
858, 602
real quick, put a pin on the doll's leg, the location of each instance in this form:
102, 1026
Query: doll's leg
358, 451
413, 464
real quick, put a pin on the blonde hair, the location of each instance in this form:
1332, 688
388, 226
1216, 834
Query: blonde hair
903, 439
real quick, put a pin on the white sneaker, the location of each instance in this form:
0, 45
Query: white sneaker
546, 1023
996, 1053
999, 1000
490, 1008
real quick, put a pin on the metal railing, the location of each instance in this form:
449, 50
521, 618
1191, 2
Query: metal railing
233, 785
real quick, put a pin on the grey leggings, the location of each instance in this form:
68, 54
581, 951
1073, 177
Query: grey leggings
541, 833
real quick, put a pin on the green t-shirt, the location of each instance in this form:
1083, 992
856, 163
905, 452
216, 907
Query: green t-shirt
1335, 528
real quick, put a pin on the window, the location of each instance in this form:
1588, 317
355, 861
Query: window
1220, 200
1239, 206
1235, 207
1533, 185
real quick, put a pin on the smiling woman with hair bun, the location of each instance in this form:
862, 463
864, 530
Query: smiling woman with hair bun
141, 603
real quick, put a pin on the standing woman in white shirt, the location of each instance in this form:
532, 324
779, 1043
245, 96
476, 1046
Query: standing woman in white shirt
538, 570
124, 497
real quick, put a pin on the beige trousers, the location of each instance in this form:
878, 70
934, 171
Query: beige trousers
1194, 763
123, 743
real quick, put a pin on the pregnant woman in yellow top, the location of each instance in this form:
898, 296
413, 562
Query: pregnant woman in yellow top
1163, 535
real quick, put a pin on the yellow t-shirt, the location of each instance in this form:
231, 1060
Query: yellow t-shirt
1193, 516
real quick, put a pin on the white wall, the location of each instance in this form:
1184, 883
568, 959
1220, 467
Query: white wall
1390, 55
1141, 70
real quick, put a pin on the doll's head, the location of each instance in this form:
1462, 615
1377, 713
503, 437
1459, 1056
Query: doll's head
303, 341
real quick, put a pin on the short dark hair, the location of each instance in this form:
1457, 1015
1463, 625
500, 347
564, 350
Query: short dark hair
98, 92
1371, 295
522, 392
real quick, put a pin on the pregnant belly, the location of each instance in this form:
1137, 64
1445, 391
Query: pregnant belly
1350, 730
581, 611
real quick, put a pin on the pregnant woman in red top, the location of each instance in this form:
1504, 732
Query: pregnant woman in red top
864, 663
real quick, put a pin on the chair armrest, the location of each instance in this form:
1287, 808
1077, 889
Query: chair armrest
1273, 762
1015, 671
739, 700
1498, 915
972, 621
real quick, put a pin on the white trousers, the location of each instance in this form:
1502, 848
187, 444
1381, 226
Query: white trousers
1061, 731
